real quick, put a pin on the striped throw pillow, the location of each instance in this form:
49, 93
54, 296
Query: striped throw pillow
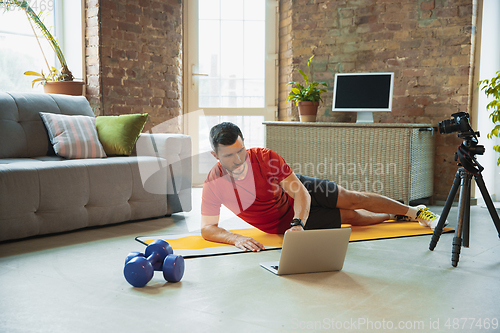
73, 136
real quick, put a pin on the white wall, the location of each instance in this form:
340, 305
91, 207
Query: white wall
489, 64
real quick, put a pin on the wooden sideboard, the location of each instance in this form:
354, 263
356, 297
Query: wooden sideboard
395, 160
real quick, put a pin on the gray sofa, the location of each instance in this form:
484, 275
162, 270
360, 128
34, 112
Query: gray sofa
41, 193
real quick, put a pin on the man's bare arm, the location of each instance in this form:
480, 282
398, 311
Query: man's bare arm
211, 231
302, 199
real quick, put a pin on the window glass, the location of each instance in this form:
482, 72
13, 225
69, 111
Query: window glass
19, 49
232, 53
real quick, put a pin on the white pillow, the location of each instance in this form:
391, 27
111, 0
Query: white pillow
73, 136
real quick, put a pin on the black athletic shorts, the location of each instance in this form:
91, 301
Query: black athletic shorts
323, 213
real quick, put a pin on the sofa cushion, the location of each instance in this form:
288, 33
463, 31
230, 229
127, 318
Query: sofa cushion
73, 136
118, 134
22, 133
47, 196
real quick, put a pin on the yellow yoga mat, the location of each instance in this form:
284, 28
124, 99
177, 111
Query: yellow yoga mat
193, 244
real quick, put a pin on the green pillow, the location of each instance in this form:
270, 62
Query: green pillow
118, 134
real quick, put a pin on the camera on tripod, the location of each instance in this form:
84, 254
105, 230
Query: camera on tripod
461, 124
469, 167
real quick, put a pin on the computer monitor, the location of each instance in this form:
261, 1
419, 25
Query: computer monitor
363, 93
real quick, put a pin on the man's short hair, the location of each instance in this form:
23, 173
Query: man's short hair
225, 133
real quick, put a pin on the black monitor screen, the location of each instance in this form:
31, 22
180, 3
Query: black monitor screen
363, 91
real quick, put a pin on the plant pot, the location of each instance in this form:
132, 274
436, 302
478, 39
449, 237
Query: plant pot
308, 111
74, 88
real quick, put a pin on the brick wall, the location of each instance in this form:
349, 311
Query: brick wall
134, 59
285, 59
426, 43
92, 56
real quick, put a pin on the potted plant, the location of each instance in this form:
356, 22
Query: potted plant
308, 96
57, 82
492, 87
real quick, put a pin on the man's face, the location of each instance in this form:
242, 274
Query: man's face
232, 157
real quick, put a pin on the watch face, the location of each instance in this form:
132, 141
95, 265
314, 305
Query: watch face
296, 222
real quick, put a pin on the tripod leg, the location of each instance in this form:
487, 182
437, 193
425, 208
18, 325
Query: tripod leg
457, 240
489, 203
466, 230
438, 230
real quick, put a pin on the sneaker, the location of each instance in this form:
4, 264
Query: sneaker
404, 218
427, 218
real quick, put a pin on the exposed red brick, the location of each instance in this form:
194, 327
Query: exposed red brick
424, 100
128, 44
427, 5
426, 43
136, 63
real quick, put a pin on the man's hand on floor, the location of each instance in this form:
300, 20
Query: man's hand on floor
248, 244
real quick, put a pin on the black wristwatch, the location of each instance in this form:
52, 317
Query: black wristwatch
296, 222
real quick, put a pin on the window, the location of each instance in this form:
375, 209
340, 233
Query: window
20, 51
231, 71
232, 53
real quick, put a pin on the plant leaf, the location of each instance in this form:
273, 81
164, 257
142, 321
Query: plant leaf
304, 76
309, 61
36, 81
495, 131
32, 73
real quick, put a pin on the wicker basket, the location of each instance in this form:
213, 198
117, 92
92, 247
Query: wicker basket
395, 160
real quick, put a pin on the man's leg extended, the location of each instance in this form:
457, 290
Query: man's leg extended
361, 208
379, 204
328, 194
324, 213
372, 202
362, 217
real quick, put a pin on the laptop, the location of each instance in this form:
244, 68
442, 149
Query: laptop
311, 251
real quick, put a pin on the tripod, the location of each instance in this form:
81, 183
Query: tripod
470, 167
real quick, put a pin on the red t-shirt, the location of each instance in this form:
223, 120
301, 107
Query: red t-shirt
257, 199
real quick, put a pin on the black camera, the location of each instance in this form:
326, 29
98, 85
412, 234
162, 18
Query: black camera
470, 147
460, 123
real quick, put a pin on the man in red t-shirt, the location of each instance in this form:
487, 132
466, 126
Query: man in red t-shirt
259, 187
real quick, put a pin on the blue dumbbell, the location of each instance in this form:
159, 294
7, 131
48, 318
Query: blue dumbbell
139, 268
